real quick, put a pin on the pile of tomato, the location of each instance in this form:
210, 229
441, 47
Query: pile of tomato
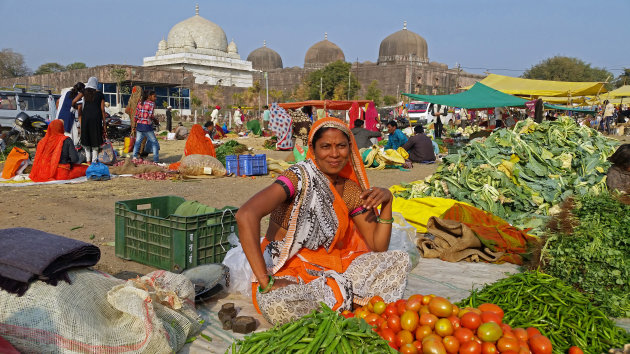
431, 324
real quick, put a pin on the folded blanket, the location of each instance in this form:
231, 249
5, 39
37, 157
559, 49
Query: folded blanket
27, 255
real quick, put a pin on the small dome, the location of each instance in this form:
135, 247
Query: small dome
232, 47
265, 58
204, 34
403, 46
162, 45
323, 53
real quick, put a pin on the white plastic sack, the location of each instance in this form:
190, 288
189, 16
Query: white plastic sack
240, 270
170, 136
404, 238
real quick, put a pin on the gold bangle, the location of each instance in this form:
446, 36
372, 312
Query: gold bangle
384, 221
268, 287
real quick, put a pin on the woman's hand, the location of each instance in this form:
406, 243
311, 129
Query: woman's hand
376, 196
281, 283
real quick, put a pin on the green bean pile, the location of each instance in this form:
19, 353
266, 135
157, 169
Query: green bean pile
561, 313
322, 331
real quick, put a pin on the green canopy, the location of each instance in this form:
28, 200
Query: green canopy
572, 109
479, 96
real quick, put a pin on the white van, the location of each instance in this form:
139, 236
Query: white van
12, 102
420, 113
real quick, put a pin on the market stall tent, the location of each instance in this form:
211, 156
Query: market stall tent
536, 88
326, 104
479, 96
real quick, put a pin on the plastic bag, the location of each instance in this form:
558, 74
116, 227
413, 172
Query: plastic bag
240, 270
404, 238
195, 165
107, 154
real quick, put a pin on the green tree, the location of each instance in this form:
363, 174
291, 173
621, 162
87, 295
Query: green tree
389, 100
12, 64
374, 93
118, 74
561, 68
195, 102
623, 78
333, 76
76, 65
50, 68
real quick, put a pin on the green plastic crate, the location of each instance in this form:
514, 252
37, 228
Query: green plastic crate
147, 232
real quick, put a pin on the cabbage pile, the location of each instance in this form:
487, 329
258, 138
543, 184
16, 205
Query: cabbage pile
522, 174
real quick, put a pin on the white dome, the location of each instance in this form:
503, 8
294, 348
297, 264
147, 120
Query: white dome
162, 45
204, 34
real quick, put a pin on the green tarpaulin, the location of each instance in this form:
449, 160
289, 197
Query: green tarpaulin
572, 109
478, 97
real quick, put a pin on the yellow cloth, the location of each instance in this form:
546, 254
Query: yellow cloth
529, 87
402, 152
417, 211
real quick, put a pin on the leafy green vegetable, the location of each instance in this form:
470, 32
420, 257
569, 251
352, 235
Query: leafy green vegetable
521, 174
231, 147
595, 256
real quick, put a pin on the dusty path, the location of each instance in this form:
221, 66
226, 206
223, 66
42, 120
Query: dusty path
60, 208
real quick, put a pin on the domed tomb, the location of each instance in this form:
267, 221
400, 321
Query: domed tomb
265, 58
323, 53
206, 36
403, 46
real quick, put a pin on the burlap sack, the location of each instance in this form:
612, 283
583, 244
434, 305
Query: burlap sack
453, 242
101, 314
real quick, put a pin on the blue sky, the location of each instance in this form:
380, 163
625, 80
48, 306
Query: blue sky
478, 34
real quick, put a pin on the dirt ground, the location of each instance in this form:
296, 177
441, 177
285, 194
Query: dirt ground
85, 209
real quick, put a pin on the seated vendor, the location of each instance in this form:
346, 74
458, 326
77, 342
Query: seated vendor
618, 177
213, 131
396, 137
197, 143
326, 242
181, 132
55, 157
420, 146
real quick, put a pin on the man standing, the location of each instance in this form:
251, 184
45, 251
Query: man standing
396, 138
419, 146
214, 116
266, 117
609, 111
169, 118
362, 136
438, 112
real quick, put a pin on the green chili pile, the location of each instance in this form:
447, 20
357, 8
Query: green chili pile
561, 313
322, 331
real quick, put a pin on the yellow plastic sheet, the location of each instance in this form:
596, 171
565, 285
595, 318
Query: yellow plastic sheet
417, 211
528, 87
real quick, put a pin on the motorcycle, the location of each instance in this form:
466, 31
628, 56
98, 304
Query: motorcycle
117, 129
29, 128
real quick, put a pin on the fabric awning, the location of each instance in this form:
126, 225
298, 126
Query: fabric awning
536, 88
328, 104
623, 91
479, 96
572, 109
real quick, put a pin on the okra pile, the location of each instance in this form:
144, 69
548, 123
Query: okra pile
561, 313
323, 331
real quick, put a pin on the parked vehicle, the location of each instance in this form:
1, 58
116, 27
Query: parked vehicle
32, 102
117, 128
421, 113
28, 128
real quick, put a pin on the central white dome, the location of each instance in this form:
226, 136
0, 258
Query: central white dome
204, 34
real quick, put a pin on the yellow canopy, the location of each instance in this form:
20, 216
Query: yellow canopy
536, 88
623, 91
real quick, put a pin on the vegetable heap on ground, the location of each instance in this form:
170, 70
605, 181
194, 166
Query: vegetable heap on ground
431, 324
591, 251
231, 147
522, 174
319, 332
564, 315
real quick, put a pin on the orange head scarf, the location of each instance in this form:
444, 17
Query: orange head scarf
48, 153
354, 169
198, 144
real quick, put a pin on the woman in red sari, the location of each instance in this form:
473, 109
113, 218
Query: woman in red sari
55, 157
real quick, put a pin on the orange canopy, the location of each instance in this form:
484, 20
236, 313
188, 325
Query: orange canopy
327, 104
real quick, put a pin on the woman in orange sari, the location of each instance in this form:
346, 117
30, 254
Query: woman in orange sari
326, 242
55, 157
196, 144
